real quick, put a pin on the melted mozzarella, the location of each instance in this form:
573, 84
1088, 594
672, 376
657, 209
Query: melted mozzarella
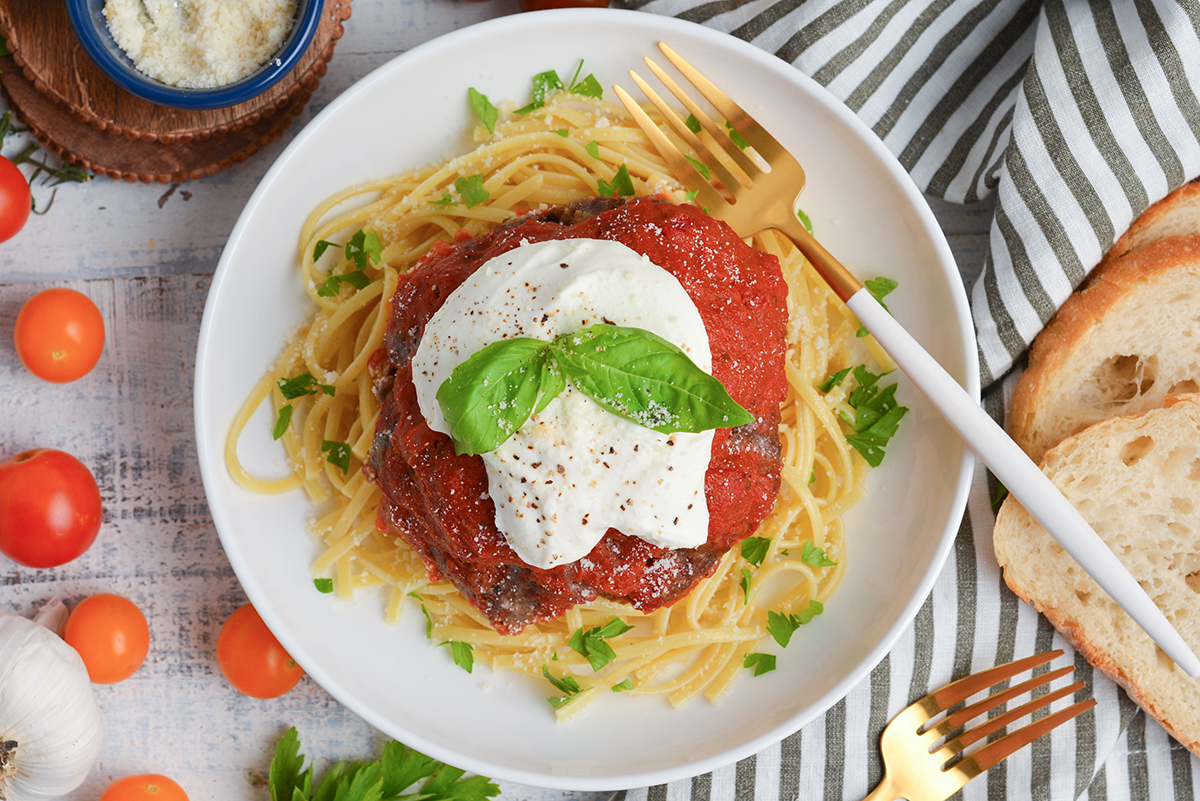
575, 469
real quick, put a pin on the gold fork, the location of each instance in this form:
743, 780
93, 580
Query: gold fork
916, 768
755, 189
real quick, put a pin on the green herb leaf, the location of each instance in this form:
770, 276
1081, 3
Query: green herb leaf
812, 555
337, 454
320, 248
642, 377
782, 627
761, 663
487, 113
692, 123
489, 397
591, 645
691, 194
285, 777
814, 608
283, 421
1000, 493
563, 132
588, 87
303, 384
544, 84
879, 289
701, 167
833, 380
593, 149
744, 583
323, 585
447, 200
362, 246
736, 137
807, 223
622, 686
876, 415
464, 654
622, 184
566, 685
471, 189
754, 549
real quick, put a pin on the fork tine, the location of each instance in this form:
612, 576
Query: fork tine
679, 166
766, 145
972, 736
956, 719
719, 136
681, 130
986, 757
940, 700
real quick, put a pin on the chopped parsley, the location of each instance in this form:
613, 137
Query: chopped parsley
807, 223
591, 645
283, 421
701, 167
815, 556
998, 496
692, 123
563, 132
876, 415
463, 653
833, 380
744, 583
337, 454
782, 627
303, 384
323, 585
362, 249
566, 685
487, 113
879, 289
754, 549
447, 200
593, 149
470, 188
622, 686
736, 137
622, 184
760, 663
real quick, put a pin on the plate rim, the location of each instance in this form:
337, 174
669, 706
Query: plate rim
507, 26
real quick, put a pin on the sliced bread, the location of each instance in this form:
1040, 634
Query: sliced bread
1177, 214
1118, 346
1136, 479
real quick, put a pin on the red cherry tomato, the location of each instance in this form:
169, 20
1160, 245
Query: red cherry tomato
542, 5
111, 635
50, 508
15, 199
146, 787
59, 334
252, 659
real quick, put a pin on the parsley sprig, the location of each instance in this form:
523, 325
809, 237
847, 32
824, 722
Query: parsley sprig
398, 769
877, 414
292, 388
567, 685
362, 249
591, 645
547, 84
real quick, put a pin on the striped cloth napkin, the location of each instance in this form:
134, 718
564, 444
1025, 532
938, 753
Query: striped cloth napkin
1078, 115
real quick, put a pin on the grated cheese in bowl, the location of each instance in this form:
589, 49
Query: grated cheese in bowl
199, 44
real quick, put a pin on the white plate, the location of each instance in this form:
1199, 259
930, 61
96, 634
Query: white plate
414, 110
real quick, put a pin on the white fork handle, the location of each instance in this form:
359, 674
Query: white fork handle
1022, 477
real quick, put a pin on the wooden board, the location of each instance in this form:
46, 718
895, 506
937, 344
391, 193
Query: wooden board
53, 62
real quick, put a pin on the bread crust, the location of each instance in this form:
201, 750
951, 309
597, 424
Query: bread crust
1064, 344
1043, 575
1177, 214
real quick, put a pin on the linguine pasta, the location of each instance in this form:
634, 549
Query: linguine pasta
558, 153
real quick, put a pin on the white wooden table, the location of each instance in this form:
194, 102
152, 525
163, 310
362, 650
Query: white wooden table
146, 255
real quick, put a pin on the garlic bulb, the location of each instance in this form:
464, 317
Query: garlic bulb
49, 718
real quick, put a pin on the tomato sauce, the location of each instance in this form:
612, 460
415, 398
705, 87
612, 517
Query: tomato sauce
438, 501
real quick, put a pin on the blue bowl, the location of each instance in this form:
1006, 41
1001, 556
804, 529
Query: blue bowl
87, 17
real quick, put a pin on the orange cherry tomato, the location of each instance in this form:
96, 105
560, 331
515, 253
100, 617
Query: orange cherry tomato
111, 635
251, 659
59, 334
50, 510
15, 199
146, 787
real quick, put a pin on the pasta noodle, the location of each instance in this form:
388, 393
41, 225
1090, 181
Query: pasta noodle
554, 155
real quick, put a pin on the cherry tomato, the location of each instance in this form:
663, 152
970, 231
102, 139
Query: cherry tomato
50, 508
59, 334
146, 787
541, 5
15, 199
252, 659
110, 634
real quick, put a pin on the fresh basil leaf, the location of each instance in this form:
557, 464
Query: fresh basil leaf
337, 454
283, 421
553, 382
487, 113
622, 184
761, 663
323, 585
642, 377
471, 189
812, 555
754, 549
489, 397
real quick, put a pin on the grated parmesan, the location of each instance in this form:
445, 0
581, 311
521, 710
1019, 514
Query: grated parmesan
199, 44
